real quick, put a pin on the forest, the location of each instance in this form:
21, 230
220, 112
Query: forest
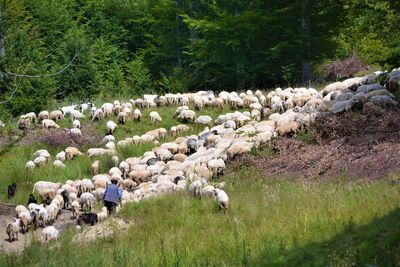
75, 50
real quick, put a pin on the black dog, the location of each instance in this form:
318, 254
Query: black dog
87, 218
11, 190
32, 199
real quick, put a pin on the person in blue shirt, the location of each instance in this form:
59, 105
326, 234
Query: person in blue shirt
112, 196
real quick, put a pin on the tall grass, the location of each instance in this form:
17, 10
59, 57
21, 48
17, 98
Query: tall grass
270, 222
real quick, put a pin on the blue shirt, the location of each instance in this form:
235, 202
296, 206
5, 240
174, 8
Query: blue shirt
113, 193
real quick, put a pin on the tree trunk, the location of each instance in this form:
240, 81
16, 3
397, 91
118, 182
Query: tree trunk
240, 68
179, 4
194, 7
2, 49
306, 67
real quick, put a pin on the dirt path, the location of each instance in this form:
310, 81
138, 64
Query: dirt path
7, 214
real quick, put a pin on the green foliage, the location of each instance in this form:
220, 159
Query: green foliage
289, 74
138, 78
175, 83
127, 48
372, 31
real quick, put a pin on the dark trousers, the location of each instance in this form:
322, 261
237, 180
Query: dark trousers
111, 206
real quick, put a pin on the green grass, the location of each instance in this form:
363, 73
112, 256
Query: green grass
270, 222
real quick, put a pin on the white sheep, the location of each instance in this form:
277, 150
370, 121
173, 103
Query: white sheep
58, 164
42, 153
49, 233
30, 165
108, 138
43, 115
48, 124
61, 156
204, 120
101, 180
114, 170
239, 148
101, 216
12, 230
110, 145
76, 124
71, 152
208, 191
137, 115
25, 220
98, 114
155, 117
111, 126
40, 161
199, 103
19, 209
187, 115
75, 208
76, 114
87, 201
96, 152
44, 188
217, 166
222, 199
195, 188
95, 167
99, 193
42, 217
52, 211
179, 110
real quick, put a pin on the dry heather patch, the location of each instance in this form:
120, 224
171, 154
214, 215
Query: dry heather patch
359, 146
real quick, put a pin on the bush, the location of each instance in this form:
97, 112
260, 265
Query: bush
343, 68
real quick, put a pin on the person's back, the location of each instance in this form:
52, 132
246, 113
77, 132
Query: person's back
112, 195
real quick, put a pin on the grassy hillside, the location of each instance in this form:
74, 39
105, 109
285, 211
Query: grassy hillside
14, 157
271, 222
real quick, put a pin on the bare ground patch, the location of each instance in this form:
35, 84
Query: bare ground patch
7, 214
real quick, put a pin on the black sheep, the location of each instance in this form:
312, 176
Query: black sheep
152, 161
87, 218
11, 190
178, 178
32, 199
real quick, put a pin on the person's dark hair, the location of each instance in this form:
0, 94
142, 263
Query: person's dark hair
114, 182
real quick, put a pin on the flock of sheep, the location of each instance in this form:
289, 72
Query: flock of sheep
189, 162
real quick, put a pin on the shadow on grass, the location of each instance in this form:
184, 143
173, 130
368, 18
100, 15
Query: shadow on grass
374, 244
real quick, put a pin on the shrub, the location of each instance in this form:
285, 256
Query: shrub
343, 68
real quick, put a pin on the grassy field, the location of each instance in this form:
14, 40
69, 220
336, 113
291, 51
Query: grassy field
13, 158
271, 222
